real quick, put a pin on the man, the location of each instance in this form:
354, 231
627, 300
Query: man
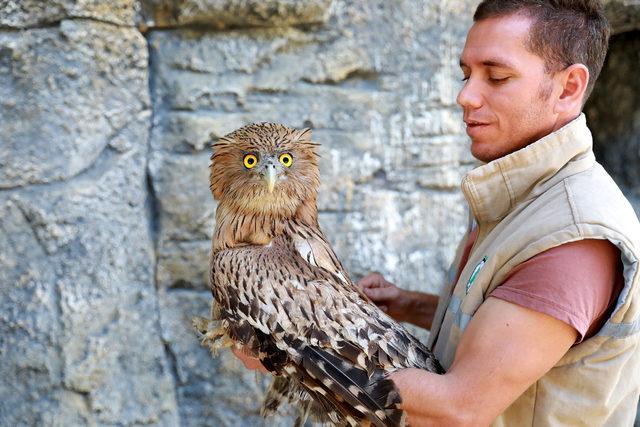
540, 324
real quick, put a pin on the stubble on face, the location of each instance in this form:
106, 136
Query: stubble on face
534, 124
529, 126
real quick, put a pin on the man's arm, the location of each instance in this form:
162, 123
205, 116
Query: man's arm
504, 350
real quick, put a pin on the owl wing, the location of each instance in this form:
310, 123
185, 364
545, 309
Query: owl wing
303, 322
312, 245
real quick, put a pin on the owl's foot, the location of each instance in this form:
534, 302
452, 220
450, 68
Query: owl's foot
210, 333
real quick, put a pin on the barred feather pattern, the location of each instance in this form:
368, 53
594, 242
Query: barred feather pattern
282, 294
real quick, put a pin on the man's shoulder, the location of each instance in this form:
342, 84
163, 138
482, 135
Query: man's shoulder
596, 198
587, 204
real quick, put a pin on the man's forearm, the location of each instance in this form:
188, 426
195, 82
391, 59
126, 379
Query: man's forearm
504, 349
421, 308
430, 399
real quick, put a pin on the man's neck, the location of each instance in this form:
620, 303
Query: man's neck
564, 120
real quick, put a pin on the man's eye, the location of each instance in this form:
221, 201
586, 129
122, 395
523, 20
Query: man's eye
464, 79
498, 80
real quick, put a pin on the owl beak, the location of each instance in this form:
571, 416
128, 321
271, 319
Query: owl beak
270, 177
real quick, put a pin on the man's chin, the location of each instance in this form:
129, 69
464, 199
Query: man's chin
484, 152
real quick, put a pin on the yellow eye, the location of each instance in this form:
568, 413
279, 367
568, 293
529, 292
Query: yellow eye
250, 161
286, 159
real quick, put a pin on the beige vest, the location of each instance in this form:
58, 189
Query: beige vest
546, 194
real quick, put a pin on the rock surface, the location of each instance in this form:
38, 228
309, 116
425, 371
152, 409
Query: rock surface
107, 113
35, 13
623, 15
616, 131
66, 93
221, 14
79, 315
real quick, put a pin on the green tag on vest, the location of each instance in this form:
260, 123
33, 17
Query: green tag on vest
475, 273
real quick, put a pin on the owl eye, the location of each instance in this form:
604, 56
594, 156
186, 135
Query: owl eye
250, 160
286, 159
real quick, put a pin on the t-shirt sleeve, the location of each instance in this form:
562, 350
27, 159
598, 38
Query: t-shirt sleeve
577, 283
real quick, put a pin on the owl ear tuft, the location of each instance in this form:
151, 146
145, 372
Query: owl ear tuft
304, 135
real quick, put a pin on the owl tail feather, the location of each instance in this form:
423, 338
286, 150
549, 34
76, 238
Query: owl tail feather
310, 404
278, 392
372, 398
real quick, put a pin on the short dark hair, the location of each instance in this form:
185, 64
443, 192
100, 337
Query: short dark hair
563, 32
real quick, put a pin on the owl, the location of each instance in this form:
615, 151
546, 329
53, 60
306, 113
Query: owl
281, 294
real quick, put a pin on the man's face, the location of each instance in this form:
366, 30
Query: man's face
507, 97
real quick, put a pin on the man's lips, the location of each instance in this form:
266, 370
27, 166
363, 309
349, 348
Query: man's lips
475, 127
475, 123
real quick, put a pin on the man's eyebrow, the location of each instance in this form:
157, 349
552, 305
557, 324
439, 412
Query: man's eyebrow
491, 62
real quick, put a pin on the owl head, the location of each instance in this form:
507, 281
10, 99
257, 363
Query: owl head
265, 169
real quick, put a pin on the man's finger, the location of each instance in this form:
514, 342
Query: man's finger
380, 294
373, 280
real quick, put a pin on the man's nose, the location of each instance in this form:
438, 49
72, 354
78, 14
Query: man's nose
469, 96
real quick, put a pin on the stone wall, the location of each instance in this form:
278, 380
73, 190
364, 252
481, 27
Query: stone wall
79, 315
616, 130
375, 83
107, 110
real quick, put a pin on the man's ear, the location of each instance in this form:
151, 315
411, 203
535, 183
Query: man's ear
574, 80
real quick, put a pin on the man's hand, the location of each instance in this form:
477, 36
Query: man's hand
387, 296
249, 362
404, 306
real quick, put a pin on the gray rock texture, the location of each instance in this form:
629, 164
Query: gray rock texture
623, 15
35, 13
79, 317
221, 14
107, 111
66, 94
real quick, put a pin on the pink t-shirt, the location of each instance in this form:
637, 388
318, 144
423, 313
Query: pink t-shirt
577, 283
